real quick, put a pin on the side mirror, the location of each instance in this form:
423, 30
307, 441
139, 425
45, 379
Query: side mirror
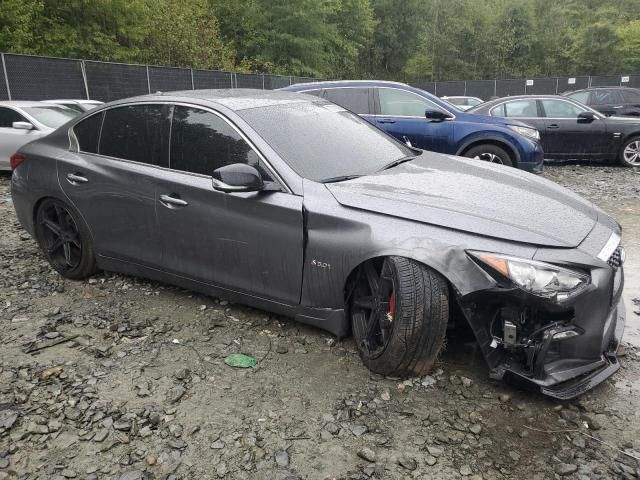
586, 117
237, 177
436, 115
22, 125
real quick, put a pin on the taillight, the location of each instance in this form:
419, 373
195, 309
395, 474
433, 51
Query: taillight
16, 159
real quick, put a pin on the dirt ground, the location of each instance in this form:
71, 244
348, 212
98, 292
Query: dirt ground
132, 385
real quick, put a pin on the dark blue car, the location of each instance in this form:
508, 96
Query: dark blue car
429, 123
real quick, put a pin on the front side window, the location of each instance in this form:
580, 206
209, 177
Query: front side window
398, 103
582, 97
201, 142
604, 97
631, 96
354, 99
521, 109
560, 109
8, 116
87, 133
137, 132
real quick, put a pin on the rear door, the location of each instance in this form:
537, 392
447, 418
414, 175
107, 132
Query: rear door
566, 135
250, 242
402, 114
111, 179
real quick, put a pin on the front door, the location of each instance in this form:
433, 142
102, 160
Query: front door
113, 184
248, 242
568, 136
402, 114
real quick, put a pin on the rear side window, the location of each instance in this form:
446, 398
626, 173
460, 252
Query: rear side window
560, 109
582, 97
137, 132
354, 99
87, 133
202, 142
8, 116
520, 108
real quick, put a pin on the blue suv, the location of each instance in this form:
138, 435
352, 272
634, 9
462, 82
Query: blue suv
427, 122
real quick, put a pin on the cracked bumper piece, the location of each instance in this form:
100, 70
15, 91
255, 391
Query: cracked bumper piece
560, 351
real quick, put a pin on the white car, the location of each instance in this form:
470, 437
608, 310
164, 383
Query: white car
462, 102
78, 105
22, 122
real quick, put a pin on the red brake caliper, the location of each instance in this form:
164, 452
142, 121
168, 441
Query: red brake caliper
392, 307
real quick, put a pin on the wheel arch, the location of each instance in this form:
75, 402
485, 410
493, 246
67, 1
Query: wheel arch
498, 142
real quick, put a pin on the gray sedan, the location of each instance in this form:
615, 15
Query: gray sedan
22, 122
292, 204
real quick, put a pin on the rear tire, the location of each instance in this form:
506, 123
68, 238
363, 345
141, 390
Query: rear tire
490, 153
629, 155
409, 307
65, 240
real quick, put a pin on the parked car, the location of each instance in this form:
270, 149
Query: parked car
427, 122
571, 130
462, 102
22, 122
292, 204
80, 106
609, 100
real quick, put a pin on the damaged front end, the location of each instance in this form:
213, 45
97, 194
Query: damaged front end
552, 327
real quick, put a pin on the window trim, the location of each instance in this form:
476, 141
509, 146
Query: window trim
377, 91
74, 145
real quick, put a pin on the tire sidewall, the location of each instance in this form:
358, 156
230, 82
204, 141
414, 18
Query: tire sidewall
87, 263
493, 149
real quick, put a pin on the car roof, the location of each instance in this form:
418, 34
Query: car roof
74, 100
237, 98
602, 88
23, 104
338, 83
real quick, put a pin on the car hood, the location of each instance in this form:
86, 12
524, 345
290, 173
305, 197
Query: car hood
476, 197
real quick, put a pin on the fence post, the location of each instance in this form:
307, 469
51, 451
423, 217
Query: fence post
83, 69
465, 88
263, 81
193, 85
589, 82
557, 84
6, 78
148, 82
495, 87
435, 88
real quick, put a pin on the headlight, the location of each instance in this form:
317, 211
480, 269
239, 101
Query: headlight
539, 278
526, 131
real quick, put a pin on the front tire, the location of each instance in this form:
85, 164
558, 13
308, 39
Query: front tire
399, 311
629, 155
490, 153
65, 240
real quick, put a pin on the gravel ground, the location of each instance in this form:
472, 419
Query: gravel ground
120, 378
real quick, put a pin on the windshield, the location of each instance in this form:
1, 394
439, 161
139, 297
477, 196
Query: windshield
51, 117
473, 101
322, 142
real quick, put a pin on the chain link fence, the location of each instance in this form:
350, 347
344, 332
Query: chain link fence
28, 77
487, 89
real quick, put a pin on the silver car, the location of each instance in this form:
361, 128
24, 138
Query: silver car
80, 105
22, 122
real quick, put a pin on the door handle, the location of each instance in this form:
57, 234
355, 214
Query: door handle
75, 178
553, 126
172, 200
386, 120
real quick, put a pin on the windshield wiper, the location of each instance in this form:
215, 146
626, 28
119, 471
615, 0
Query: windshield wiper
340, 178
395, 163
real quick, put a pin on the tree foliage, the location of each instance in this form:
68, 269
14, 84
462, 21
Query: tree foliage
395, 39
